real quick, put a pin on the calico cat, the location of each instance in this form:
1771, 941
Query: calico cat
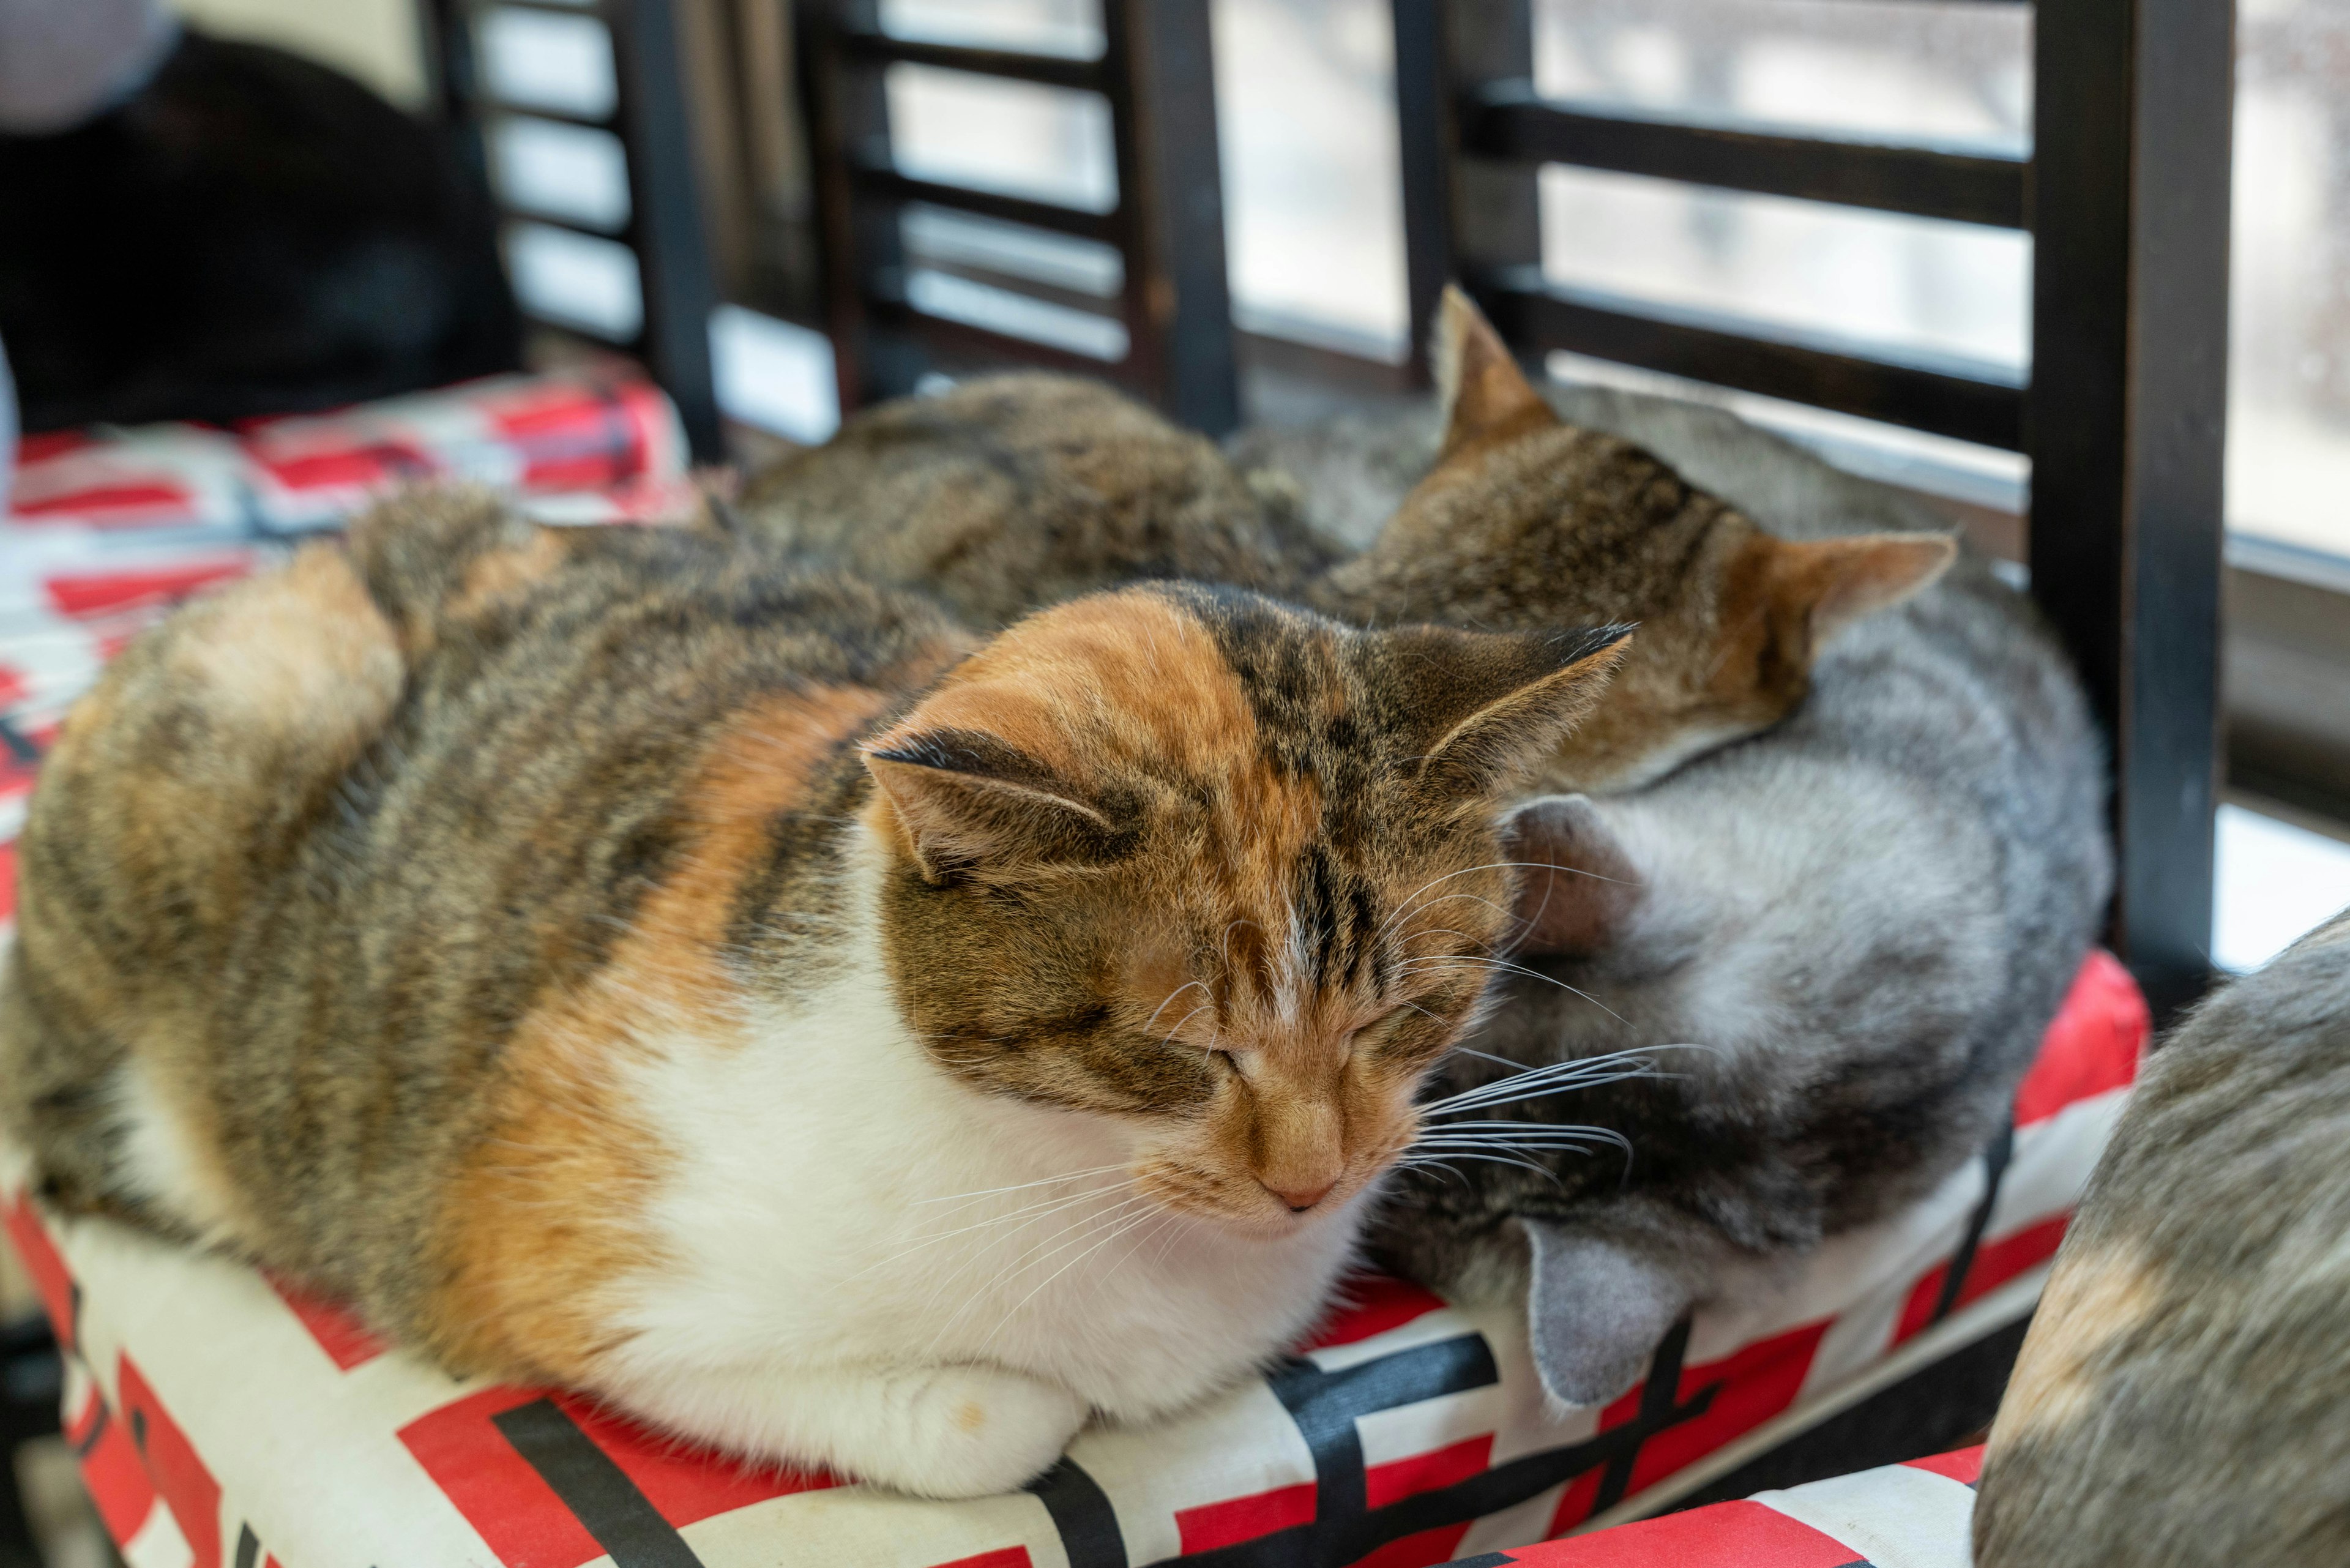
613, 958
1862, 919
1018, 491
2183, 1396
250, 234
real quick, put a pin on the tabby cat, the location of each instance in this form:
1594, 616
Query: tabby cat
1018, 491
2183, 1398
1859, 922
612, 957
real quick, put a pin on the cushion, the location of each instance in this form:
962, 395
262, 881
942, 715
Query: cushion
1913, 1515
223, 1416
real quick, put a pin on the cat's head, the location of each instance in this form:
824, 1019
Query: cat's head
1221, 871
1527, 522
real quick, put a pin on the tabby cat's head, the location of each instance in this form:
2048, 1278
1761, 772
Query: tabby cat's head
1222, 872
1528, 522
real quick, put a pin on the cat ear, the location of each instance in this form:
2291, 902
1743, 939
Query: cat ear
1575, 884
1827, 585
1595, 1313
1495, 706
969, 801
1479, 385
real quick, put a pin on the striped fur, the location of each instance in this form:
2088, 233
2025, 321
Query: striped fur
601, 955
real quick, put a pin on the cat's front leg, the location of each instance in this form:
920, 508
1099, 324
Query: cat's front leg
949, 1432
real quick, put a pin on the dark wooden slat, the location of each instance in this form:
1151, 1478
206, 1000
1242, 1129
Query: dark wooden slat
1951, 398
861, 242
1459, 215
1060, 220
869, 45
680, 287
1178, 299
1511, 120
2130, 323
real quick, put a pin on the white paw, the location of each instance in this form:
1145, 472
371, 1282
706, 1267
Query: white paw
972, 1431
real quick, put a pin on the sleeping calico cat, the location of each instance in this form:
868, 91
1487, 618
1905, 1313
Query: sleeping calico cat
612, 957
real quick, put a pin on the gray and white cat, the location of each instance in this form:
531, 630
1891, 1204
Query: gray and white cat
1862, 919
2184, 1395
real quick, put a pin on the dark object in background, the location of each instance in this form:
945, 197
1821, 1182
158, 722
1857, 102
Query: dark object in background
253, 234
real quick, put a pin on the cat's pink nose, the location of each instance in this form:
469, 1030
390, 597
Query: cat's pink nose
1301, 1198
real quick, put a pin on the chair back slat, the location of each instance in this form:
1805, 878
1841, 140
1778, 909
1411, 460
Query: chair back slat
662, 234
2123, 412
1171, 341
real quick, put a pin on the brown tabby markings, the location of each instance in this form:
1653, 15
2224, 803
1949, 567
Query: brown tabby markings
1526, 522
1018, 491
2093, 1303
385, 928
549, 1212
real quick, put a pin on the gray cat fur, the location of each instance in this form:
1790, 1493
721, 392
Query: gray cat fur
2184, 1397
1865, 919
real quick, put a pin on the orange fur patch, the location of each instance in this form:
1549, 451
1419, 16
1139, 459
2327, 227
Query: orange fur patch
1145, 672
503, 575
549, 1213
2092, 1299
301, 651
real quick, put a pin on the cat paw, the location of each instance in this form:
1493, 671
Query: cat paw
974, 1431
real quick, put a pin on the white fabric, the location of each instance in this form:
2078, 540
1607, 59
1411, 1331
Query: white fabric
1897, 1517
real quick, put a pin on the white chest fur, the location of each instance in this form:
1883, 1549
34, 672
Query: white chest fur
847, 1221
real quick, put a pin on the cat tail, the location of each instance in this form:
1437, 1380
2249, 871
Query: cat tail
435, 557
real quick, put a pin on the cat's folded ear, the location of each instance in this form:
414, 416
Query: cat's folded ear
969, 802
1597, 1313
1481, 391
1827, 585
1491, 706
1576, 883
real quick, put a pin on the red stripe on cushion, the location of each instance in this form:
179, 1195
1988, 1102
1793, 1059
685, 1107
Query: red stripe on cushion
1726, 1535
101, 592
1759, 1381
118, 1483
1235, 1519
1401, 1479
142, 498
346, 1341
2094, 1045
172, 1462
1965, 1465
1421, 1551
42, 1259
1370, 1304
1005, 1557
1996, 1263
517, 1515
686, 1484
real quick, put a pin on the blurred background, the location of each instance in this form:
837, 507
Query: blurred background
1314, 221
1315, 241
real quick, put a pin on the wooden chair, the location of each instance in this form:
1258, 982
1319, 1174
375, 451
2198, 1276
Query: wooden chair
2123, 415
631, 47
1166, 224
